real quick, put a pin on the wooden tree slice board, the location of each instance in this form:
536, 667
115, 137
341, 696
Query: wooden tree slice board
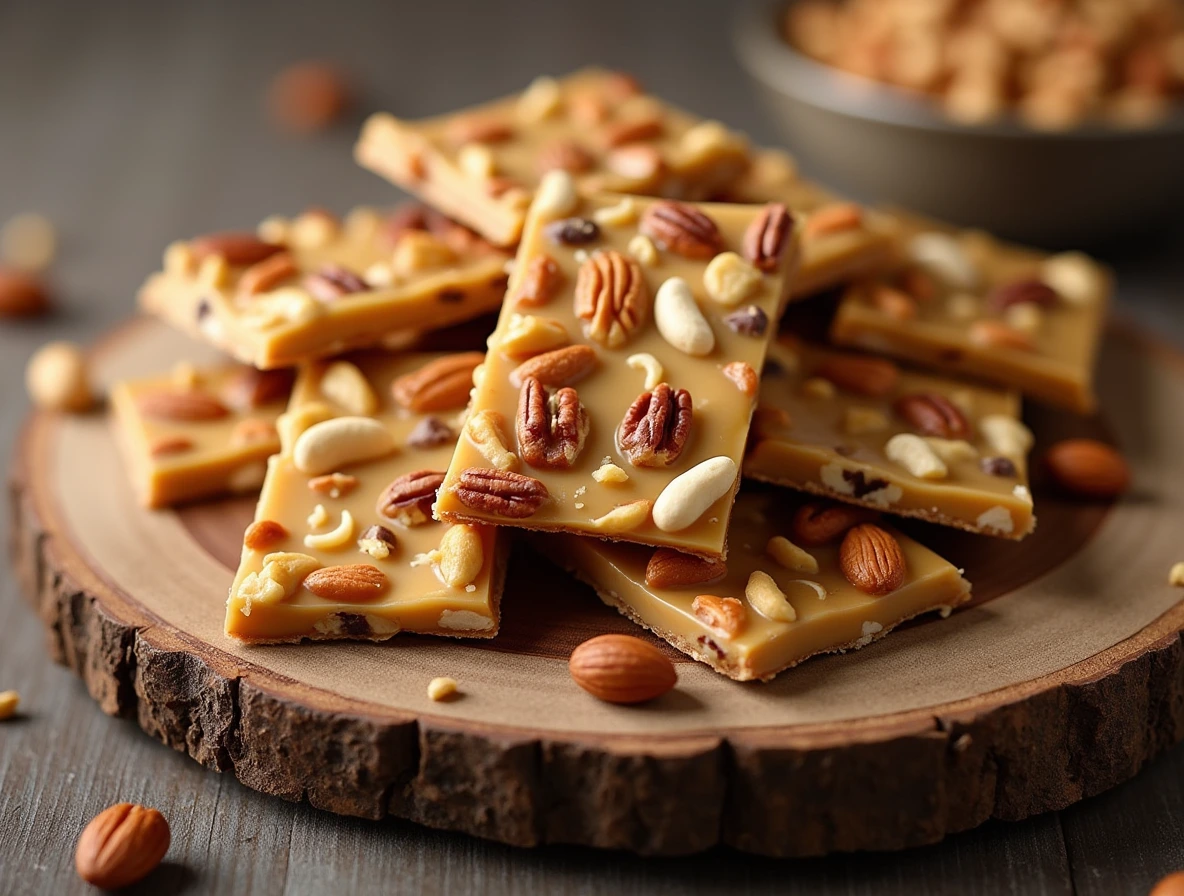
1063, 678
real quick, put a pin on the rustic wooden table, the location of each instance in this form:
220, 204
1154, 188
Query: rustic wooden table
132, 124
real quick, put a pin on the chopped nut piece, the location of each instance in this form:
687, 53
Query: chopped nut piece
336, 538
476, 161
335, 485
377, 542
943, 257
648, 363
344, 384
643, 249
610, 474
859, 421
767, 599
624, 212
528, 335
484, 430
789, 555
729, 279
623, 517
743, 376
58, 380
442, 689
952, 450
817, 387
915, 455
724, 614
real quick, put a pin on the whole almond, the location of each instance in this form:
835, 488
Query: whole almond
871, 559
121, 845
21, 294
1088, 468
873, 377
235, 248
819, 523
359, 582
191, 405
439, 385
263, 534
561, 367
622, 669
669, 568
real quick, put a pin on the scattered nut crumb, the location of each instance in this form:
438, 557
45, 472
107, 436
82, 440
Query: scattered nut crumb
442, 688
9, 700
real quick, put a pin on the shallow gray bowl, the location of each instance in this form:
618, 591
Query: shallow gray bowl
1078, 188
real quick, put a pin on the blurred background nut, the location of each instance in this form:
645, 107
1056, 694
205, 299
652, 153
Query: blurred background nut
309, 96
57, 378
21, 294
28, 242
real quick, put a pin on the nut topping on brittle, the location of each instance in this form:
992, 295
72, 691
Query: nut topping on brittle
440, 385
539, 282
333, 281
767, 236
932, 414
682, 229
551, 428
1031, 291
611, 296
654, 430
235, 248
500, 492
408, 499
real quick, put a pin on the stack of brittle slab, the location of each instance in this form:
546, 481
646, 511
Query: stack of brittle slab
640, 260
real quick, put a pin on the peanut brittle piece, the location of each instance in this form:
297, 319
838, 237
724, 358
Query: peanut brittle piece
199, 432
616, 396
968, 304
343, 544
315, 286
800, 580
861, 430
482, 165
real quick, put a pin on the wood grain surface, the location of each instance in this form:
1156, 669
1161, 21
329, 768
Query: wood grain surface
129, 124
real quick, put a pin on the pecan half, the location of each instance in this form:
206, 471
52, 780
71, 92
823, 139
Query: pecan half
267, 274
767, 236
874, 377
682, 229
249, 388
235, 248
408, 499
632, 130
500, 492
819, 523
333, 281
565, 155
551, 428
611, 295
539, 281
1037, 292
439, 385
655, 428
933, 415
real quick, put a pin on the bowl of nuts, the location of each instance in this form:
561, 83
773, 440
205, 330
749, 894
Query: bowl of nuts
1055, 122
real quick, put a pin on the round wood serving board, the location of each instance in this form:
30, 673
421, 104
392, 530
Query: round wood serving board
1062, 679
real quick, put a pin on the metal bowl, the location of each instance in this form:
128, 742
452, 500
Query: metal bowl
880, 144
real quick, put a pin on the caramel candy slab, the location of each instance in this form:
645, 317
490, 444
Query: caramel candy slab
968, 304
617, 392
481, 165
344, 544
777, 604
861, 430
840, 240
314, 286
199, 432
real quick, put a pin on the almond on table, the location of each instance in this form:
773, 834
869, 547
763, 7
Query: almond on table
968, 304
198, 432
343, 544
616, 396
482, 165
314, 285
861, 430
840, 240
776, 602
